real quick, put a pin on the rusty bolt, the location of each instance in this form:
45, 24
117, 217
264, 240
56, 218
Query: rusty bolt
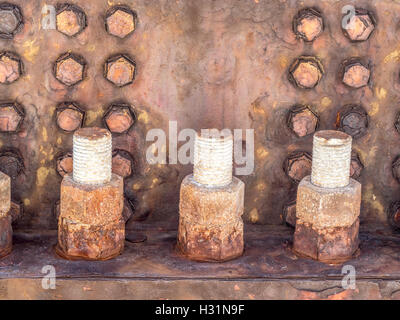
356, 166
353, 120
70, 69
120, 21
129, 208
120, 70
11, 20
355, 73
361, 26
64, 163
289, 213
298, 165
306, 72
11, 163
11, 67
302, 120
11, 117
393, 213
119, 118
71, 20
69, 116
308, 24
122, 163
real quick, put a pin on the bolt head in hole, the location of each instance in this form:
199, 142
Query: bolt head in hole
302, 120
353, 120
70, 19
11, 20
298, 165
306, 72
360, 27
119, 118
64, 163
12, 115
70, 69
308, 24
120, 21
69, 116
11, 163
11, 67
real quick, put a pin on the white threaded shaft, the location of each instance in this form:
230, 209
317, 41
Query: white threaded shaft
331, 159
92, 154
213, 160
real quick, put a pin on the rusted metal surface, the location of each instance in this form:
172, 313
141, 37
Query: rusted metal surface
210, 221
237, 77
267, 269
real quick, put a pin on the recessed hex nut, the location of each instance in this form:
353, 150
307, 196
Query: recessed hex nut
70, 19
297, 166
360, 27
356, 166
393, 213
122, 163
70, 69
11, 67
120, 70
308, 24
119, 118
355, 73
64, 163
353, 120
289, 213
69, 116
302, 120
11, 20
306, 72
120, 21
11, 163
11, 117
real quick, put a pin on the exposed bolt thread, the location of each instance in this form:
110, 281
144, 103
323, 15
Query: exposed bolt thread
331, 159
92, 156
213, 160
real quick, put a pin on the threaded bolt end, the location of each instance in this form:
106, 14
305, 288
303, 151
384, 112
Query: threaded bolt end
213, 160
331, 159
92, 154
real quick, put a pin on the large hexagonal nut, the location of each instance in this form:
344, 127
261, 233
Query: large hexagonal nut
353, 120
64, 163
120, 21
119, 118
120, 70
70, 69
360, 26
355, 73
11, 67
11, 20
12, 115
306, 72
70, 19
297, 165
308, 24
302, 120
69, 116
122, 163
11, 163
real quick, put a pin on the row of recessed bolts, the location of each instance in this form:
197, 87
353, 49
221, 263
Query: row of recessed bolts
71, 20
